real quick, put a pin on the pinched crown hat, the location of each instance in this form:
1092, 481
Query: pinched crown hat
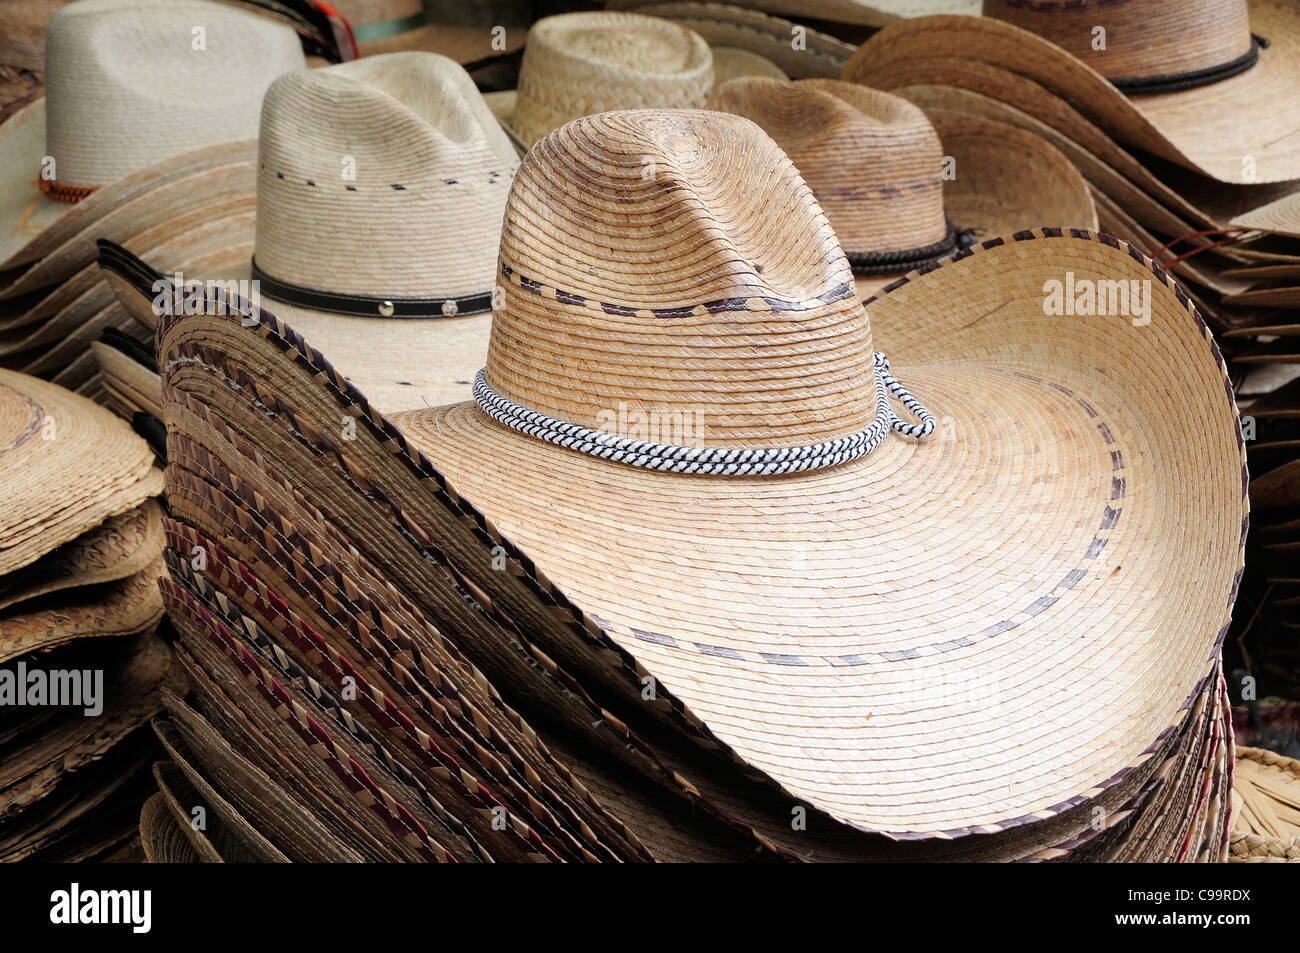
672, 426
578, 64
877, 166
381, 185
130, 85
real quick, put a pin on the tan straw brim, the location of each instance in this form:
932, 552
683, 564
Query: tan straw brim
126, 607
1281, 216
400, 363
130, 384
119, 547
1033, 559
1245, 129
726, 25
66, 465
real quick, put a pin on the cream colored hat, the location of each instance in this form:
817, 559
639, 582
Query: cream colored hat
579, 64
129, 85
730, 62
381, 186
897, 196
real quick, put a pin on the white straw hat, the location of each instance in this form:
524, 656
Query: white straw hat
381, 186
129, 85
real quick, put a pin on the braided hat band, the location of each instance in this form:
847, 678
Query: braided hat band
722, 460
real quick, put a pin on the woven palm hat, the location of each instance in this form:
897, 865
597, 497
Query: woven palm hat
730, 62
876, 13
114, 67
381, 185
579, 64
66, 465
1208, 84
772, 37
802, 599
875, 162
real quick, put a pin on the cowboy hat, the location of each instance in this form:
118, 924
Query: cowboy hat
787, 633
576, 64
252, 398
797, 50
884, 178
195, 69
380, 188
1207, 84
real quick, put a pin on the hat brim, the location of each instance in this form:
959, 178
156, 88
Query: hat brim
126, 607
1281, 216
398, 363
1209, 129
117, 548
1038, 540
34, 226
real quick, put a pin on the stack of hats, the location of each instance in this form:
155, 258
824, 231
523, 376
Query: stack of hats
711, 566
78, 168
81, 669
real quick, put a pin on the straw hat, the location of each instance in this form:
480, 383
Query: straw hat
876, 165
121, 546
1184, 81
724, 24
115, 67
729, 62
875, 13
1054, 470
577, 64
381, 186
66, 464
1266, 825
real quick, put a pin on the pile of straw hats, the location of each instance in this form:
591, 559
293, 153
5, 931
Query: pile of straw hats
751, 627
768, 431
80, 668
78, 168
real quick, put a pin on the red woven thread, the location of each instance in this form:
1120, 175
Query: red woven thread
64, 193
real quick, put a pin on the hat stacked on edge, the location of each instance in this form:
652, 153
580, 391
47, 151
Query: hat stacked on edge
78, 168
81, 669
685, 489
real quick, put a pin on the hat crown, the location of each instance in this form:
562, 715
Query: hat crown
385, 176
873, 160
673, 264
579, 64
132, 82
1138, 39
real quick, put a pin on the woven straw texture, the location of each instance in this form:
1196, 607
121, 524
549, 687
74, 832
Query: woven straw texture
578, 64
873, 160
788, 645
730, 62
67, 465
1243, 129
1266, 826
1144, 38
204, 358
384, 177
117, 67
723, 24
